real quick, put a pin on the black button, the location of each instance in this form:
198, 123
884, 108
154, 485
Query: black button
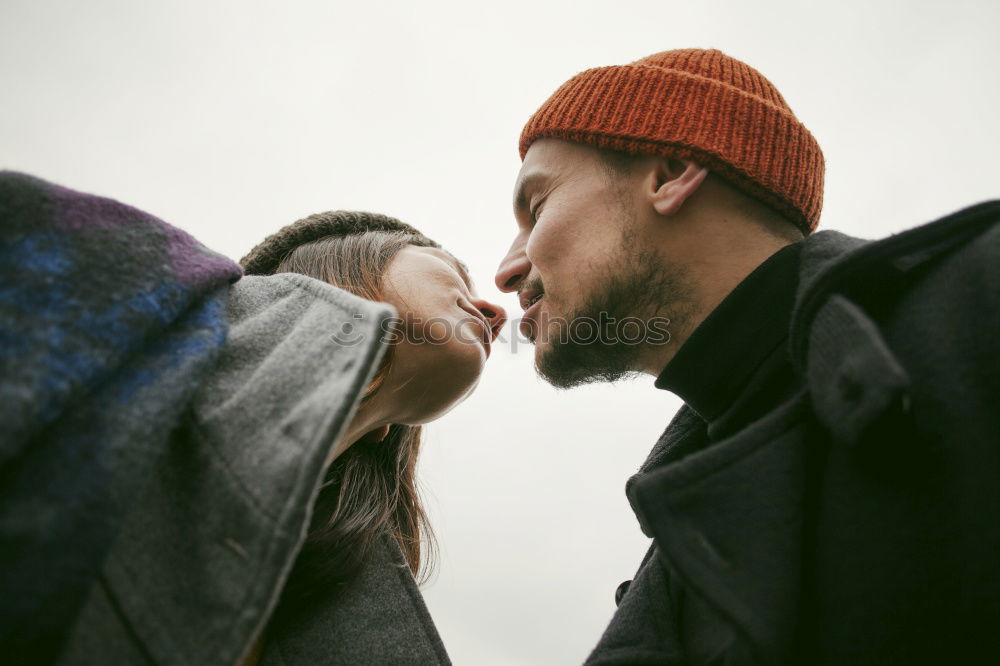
850, 389
620, 592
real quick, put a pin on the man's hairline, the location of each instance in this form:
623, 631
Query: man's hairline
616, 164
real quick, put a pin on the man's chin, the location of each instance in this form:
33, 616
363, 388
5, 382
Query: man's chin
543, 365
552, 373
567, 365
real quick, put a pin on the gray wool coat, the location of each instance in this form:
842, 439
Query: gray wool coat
203, 555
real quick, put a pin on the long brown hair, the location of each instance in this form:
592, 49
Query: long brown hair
371, 487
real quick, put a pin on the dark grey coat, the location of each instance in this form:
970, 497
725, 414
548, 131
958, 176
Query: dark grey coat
858, 522
201, 560
380, 618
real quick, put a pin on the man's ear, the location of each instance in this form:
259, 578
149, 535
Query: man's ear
672, 182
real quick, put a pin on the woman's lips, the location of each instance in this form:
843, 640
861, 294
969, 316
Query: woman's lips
487, 336
528, 323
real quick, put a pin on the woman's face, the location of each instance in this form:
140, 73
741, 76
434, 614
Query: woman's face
444, 336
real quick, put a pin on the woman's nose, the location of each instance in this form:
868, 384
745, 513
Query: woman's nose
494, 313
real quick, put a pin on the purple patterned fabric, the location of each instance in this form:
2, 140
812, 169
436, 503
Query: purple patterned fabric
109, 319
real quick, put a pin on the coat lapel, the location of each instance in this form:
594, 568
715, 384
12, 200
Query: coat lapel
728, 520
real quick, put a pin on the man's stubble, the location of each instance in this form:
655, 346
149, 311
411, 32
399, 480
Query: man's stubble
638, 284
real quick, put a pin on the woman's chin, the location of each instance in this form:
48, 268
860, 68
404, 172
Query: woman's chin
452, 379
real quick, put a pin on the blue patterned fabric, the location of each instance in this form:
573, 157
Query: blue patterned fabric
109, 319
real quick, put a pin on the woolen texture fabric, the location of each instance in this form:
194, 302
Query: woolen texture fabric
855, 521
165, 437
697, 104
200, 564
268, 254
109, 321
377, 618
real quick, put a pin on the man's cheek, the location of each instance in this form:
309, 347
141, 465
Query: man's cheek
543, 249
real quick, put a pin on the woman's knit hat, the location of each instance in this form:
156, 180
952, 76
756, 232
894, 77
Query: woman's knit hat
700, 105
265, 258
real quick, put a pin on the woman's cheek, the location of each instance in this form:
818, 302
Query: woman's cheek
466, 353
426, 325
450, 374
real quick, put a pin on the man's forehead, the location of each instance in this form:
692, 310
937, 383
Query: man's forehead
547, 159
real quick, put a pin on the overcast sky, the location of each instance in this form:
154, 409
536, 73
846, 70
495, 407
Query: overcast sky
231, 119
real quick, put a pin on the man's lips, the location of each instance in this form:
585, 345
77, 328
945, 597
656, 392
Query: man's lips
528, 323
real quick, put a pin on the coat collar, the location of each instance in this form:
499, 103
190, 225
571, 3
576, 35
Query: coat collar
201, 560
686, 432
854, 381
729, 518
833, 262
865, 270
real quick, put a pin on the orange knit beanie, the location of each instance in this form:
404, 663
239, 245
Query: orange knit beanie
700, 105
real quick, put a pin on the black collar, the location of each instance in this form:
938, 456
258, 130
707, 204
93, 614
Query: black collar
747, 328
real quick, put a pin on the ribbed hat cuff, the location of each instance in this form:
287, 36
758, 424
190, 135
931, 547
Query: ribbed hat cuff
592, 108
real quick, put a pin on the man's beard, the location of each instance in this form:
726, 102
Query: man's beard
640, 286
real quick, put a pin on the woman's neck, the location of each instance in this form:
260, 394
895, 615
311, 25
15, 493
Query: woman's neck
371, 419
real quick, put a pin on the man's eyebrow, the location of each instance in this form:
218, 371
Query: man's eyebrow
523, 185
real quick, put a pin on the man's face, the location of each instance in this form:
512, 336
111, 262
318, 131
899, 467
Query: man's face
581, 247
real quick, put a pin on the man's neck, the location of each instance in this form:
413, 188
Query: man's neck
741, 346
719, 278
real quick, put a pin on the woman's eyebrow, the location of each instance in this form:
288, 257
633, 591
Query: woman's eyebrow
456, 263
463, 271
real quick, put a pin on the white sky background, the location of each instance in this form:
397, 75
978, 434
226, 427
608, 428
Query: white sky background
231, 119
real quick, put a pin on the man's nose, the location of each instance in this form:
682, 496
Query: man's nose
514, 267
496, 315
